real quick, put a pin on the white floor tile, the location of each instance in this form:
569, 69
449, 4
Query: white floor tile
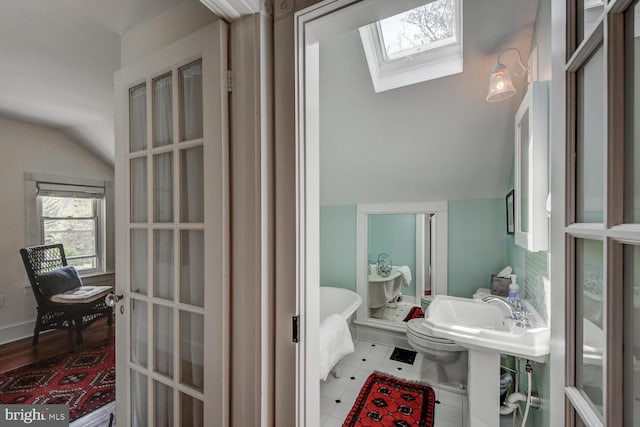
446, 423
326, 405
341, 410
323, 418
448, 398
360, 376
332, 422
449, 413
332, 392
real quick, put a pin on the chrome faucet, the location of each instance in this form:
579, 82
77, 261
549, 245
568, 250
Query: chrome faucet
517, 313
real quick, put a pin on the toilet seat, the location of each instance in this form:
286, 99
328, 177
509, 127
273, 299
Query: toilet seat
419, 330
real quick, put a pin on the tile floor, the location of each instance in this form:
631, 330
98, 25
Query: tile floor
337, 395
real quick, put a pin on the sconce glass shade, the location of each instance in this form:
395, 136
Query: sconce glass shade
500, 84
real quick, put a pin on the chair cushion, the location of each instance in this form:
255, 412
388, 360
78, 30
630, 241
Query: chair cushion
82, 295
59, 281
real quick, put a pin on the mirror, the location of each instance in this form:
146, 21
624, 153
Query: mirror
531, 172
401, 257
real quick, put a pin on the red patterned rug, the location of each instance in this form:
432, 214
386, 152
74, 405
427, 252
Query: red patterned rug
390, 402
414, 313
84, 381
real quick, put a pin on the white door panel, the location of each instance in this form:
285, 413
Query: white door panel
172, 235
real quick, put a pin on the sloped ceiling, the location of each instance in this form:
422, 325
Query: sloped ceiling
437, 140
57, 60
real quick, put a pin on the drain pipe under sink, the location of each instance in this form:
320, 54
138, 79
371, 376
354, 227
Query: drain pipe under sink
512, 404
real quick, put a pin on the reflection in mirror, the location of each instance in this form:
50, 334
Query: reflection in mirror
401, 261
393, 263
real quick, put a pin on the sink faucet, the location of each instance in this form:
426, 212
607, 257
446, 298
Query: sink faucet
516, 312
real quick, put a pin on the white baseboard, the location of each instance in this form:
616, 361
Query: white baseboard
16, 331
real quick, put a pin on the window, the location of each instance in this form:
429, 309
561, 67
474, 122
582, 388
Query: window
420, 44
74, 216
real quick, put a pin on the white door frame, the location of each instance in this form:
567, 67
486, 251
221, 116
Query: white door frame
312, 25
210, 44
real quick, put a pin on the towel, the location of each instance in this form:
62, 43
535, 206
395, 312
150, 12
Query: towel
405, 271
335, 343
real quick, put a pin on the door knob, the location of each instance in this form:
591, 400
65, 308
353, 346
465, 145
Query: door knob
112, 299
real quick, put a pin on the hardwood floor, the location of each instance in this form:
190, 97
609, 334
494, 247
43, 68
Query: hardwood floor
19, 353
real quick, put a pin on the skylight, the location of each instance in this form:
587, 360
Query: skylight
416, 45
418, 29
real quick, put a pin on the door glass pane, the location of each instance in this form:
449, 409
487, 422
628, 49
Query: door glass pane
162, 111
138, 118
139, 403
163, 401
139, 332
589, 12
632, 335
192, 267
191, 413
191, 101
139, 275
192, 185
163, 187
590, 332
163, 263
632, 119
163, 339
191, 349
138, 189
525, 146
590, 142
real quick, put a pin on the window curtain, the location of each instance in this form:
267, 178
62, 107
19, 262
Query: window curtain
138, 118
191, 80
162, 111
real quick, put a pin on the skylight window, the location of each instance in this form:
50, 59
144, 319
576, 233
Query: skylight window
416, 45
424, 27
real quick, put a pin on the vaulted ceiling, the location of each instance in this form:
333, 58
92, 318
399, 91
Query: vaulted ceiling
436, 140
57, 60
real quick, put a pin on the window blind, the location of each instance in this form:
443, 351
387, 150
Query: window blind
75, 191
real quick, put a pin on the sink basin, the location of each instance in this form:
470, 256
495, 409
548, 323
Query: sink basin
487, 327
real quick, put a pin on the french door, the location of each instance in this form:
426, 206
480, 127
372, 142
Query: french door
602, 231
172, 235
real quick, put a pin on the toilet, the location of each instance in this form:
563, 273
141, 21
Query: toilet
448, 367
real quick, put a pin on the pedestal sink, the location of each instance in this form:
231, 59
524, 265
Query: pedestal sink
487, 330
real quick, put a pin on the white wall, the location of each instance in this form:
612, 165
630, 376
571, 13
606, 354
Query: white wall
36, 149
163, 30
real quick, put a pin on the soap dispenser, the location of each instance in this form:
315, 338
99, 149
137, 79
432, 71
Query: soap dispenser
514, 292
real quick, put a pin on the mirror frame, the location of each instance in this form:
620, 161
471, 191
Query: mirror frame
535, 103
439, 247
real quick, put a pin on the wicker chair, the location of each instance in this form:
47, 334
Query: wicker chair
55, 315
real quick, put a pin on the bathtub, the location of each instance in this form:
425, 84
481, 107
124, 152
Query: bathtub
335, 337
338, 300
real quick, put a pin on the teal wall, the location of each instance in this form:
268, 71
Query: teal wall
477, 244
395, 235
338, 246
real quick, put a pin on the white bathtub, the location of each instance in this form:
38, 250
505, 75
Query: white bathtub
338, 300
335, 338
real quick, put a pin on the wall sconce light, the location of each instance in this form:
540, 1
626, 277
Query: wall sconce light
500, 83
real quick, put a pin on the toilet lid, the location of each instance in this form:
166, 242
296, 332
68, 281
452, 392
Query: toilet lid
418, 328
